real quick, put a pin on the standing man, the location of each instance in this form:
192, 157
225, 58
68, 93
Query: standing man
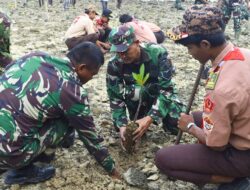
199, 2
82, 29
42, 100
222, 128
178, 5
5, 57
104, 4
239, 11
118, 4
159, 98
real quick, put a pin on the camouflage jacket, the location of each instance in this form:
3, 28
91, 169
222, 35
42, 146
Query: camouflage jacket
229, 3
38, 88
4, 35
123, 90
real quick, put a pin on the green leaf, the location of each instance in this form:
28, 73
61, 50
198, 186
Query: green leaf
140, 79
135, 76
142, 70
145, 78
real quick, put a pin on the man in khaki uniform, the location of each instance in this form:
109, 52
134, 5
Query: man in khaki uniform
223, 128
82, 29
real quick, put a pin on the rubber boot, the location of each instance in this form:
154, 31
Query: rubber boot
29, 174
68, 139
237, 184
47, 156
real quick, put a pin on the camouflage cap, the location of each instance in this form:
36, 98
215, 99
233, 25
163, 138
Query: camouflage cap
121, 38
198, 19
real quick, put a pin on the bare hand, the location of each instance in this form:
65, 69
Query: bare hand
184, 120
144, 124
122, 133
105, 25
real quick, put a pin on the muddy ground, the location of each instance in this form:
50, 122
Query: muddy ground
32, 29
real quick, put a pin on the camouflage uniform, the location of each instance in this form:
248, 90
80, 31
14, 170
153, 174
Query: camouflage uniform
118, 4
200, 2
237, 9
42, 98
177, 5
159, 96
5, 57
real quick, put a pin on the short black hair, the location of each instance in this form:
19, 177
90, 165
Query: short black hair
124, 18
87, 53
86, 11
215, 40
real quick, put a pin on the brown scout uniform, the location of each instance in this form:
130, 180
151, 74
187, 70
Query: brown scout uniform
226, 122
226, 110
226, 113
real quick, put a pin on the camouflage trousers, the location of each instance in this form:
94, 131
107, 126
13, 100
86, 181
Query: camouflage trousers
5, 57
177, 4
169, 123
200, 2
52, 134
118, 4
238, 12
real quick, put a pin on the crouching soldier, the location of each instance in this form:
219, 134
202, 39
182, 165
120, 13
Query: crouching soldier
42, 101
159, 98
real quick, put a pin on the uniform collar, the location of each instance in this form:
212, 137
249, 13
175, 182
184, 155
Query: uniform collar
72, 66
229, 47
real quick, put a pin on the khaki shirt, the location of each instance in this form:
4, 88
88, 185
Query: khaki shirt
82, 25
226, 108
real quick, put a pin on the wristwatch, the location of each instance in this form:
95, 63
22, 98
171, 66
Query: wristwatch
190, 125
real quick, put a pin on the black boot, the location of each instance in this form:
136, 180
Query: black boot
68, 139
237, 184
45, 158
29, 174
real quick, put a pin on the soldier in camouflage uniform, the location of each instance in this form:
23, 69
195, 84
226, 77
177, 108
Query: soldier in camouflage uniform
177, 5
42, 98
159, 97
118, 4
200, 2
239, 11
5, 57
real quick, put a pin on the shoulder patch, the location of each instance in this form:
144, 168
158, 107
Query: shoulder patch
208, 105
